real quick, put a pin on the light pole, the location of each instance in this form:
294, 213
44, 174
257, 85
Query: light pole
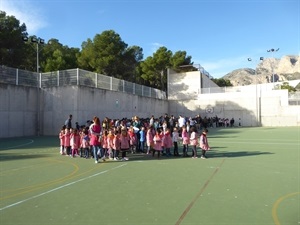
256, 100
37, 42
272, 50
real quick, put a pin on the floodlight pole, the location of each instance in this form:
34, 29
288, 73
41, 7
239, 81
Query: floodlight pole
37, 41
258, 120
272, 50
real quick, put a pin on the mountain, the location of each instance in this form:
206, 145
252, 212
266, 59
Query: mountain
285, 69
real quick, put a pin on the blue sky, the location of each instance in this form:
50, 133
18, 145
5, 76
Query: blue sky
218, 34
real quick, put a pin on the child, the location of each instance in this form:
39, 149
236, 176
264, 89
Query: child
167, 141
142, 139
194, 142
124, 139
157, 143
104, 144
62, 140
185, 141
110, 143
74, 142
204, 143
67, 141
133, 141
175, 136
85, 143
149, 138
81, 150
116, 145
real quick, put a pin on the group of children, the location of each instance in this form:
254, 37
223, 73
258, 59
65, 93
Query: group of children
110, 143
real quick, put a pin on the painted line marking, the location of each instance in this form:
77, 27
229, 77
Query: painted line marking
17, 146
186, 211
58, 188
274, 209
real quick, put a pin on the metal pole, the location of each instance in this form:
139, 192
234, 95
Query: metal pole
272, 50
256, 101
37, 57
38, 88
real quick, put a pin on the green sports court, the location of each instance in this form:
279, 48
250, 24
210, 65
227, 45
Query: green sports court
251, 177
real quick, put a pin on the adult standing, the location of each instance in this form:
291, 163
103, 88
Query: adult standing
95, 130
181, 121
68, 122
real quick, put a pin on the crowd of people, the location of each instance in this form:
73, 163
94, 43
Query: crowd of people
114, 139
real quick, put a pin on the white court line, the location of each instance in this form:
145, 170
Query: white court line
17, 146
58, 188
254, 142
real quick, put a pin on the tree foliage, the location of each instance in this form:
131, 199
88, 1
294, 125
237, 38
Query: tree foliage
285, 85
12, 49
106, 54
154, 68
221, 82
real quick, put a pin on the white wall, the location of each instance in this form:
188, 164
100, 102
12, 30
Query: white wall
18, 112
84, 103
254, 105
19, 117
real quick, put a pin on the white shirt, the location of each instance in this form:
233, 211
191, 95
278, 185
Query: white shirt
181, 121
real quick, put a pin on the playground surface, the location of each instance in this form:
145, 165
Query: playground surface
251, 176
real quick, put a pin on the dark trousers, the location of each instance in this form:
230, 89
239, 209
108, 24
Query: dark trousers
158, 153
185, 150
175, 148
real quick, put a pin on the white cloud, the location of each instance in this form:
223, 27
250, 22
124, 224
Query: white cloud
25, 12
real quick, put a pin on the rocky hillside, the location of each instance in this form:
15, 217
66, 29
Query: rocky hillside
285, 69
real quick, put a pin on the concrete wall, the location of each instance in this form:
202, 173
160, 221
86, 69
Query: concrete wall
18, 111
266, 108
187, 85
84, 103
20, 117
253, 105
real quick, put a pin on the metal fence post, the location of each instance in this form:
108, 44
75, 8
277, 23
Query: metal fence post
77, 76
58, 78
17, 77
40, 80
133, 88
96, 80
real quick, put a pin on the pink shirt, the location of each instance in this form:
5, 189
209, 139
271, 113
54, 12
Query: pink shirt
124, 141
110, 141
149, 137
104, 142
62, 138
95, 130
75, 141
203, 142
185, 137
117, 143
67, 140
193, 138
168, 140
157, 143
